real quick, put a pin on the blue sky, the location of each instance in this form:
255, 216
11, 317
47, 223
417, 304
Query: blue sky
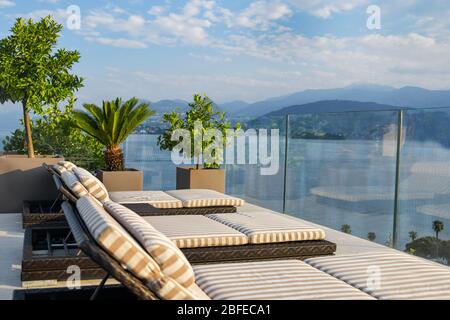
247, 50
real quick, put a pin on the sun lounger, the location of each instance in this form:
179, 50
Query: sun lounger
74, 182
393, 275
146, 263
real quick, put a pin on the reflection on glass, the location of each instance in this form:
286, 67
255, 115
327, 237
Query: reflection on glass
424, 214
341, 171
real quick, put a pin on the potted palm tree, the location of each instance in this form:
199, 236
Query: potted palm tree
207, 173
111, 125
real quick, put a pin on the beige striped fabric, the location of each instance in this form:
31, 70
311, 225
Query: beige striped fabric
94, 186
157, 199
389, 275
272, 280
197, 198
72, 182
122, 247
265, 227
170, 259
192, 231
67, 164
59, 169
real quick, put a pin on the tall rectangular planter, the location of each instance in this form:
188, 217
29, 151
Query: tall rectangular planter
190, 178
130, 180
22, 178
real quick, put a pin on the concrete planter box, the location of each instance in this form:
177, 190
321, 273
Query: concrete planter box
22, 178
190, 178
130, 180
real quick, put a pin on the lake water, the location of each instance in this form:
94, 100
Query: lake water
332, 182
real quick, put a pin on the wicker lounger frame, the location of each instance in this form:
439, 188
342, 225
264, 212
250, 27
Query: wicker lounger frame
143, 209
113, 269
53, 267
49, 267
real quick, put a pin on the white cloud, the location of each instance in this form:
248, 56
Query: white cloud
119, 42
59, 15
156, 10
7, 3
210, 58
262, 14
326, 8
188, 25
133, 24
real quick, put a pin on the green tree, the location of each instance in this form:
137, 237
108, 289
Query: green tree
201, 113
371, 236
111, 125
53, 133
346, 228
438, 226
33, 72
413, 235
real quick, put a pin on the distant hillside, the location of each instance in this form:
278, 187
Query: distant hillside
405, 97
164, 106
234, 106
332, 106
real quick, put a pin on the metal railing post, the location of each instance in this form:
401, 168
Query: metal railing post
286, 149
397, 177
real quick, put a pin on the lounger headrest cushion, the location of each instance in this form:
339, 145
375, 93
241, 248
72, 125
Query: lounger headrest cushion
67, 164
94, 186
73, 184
117, 242
170, 259
59, 169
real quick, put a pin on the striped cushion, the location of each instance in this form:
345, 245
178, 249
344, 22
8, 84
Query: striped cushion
170, 259
74, 184
67, 164
94, 186
122, 247
264, 227
197, 198
389, 275
157, 199
59, 169
285, 279
196, 231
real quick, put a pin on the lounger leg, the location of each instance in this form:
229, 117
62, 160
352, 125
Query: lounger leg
55, 202
100, 287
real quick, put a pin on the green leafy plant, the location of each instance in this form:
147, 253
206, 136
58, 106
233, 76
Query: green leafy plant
53, 133
111, 125
33, 73
201, 111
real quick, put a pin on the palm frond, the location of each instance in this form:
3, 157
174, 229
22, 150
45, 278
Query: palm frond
114, 121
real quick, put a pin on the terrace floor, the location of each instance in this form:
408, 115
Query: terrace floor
11, 242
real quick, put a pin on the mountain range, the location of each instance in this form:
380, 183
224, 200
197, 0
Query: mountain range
404, 97
332, 106
350, 98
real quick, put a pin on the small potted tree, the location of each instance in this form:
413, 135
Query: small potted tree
111, 125
207, 172
36, 75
